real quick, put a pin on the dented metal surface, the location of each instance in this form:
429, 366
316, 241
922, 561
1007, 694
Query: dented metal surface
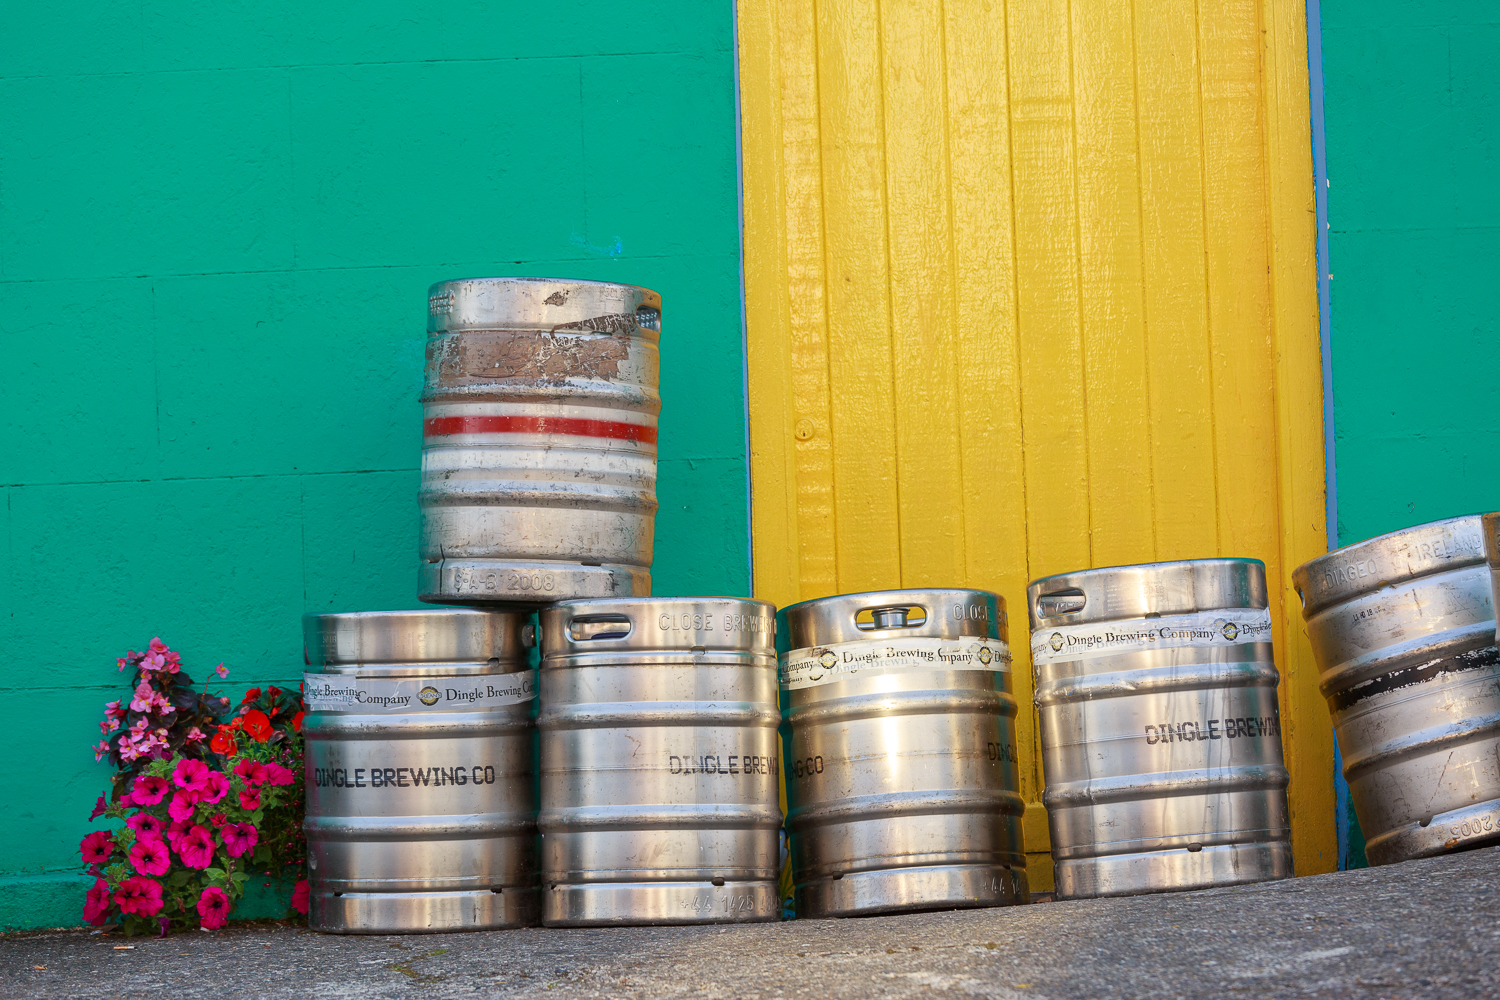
659, 787
902, 784
1403, 629
420, 810
1161, 735
539, 441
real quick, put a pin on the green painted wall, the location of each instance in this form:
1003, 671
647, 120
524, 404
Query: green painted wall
217, 227
1412, 104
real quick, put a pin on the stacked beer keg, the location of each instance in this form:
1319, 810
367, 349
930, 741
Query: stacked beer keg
554, 745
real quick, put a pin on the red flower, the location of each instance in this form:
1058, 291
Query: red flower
213, 907
149, 790
99, 808
150, 857
299, 896
97, 847
239, 838
250, 695
223, 742
297, 721
250, 799
96, 902
257, 725
275, 692
139, 895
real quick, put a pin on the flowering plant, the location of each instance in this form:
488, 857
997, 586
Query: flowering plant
201, 814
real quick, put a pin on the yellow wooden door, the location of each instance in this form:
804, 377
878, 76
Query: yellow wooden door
1030, 287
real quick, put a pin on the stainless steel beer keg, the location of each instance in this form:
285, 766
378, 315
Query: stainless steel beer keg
421, 811
659, 771
900, 742
1403, 629
539, 441
1161, 736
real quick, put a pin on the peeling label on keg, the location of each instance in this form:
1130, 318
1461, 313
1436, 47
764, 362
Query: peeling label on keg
1227, 627
839, 661
343, 693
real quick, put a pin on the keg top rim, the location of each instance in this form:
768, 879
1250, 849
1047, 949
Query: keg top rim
912, 595
432, 613
607, 603
1377, 554
497, 279
1100, 571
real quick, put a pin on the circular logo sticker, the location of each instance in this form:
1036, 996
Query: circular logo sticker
985, 656
828, 659
428, 696
1056, 642
1231, 631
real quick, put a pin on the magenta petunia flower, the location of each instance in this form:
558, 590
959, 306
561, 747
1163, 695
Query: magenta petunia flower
177, 831
299, 896
250, 799
278, 775
218, 787
251, 772
99, 808
96, 902
97, 847
150, 789
191, 775
150, 856
213, 907
139, 895
183, 805
239, 838
196, 847
146, 825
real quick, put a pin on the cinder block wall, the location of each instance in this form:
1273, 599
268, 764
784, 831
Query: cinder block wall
217, 228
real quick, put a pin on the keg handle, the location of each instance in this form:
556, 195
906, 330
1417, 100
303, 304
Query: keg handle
899, 616
587, 627
1060, 602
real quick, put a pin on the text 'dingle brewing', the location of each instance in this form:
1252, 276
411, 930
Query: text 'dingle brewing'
1403, 629
420, 809
539, 441
900, 734
659, 765
1161, 736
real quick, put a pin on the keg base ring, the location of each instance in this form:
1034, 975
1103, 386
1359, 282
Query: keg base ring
622, 904
1177, 870
487, 583
1457, 830
421, 912
908, 890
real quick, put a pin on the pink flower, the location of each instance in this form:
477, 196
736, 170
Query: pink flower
196, 847
195, 734
250, 799
144, 697
112, 710
239, 838
218, 787
191, 775
176, 832
299, 896
100, 749
221, 671
96, 902
97, 847
278, 775
108, 726
99, 809
149, 856
150, 789
251, 772
139, 895
213, 907
183, 805
146, 825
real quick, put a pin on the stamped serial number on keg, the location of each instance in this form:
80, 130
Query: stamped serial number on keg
840, 661
740, 902
470, 581
1475, 827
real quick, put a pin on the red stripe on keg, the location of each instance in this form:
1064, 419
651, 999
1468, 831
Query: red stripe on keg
508, 424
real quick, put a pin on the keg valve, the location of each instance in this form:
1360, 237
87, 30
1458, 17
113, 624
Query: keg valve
890, 617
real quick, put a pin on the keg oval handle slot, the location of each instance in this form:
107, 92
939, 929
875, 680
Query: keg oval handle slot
890, 616
1060, 602
648, 318
587, 627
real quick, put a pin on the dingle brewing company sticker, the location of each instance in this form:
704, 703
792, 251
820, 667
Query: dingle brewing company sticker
839, 661
348, 693
1224, 627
